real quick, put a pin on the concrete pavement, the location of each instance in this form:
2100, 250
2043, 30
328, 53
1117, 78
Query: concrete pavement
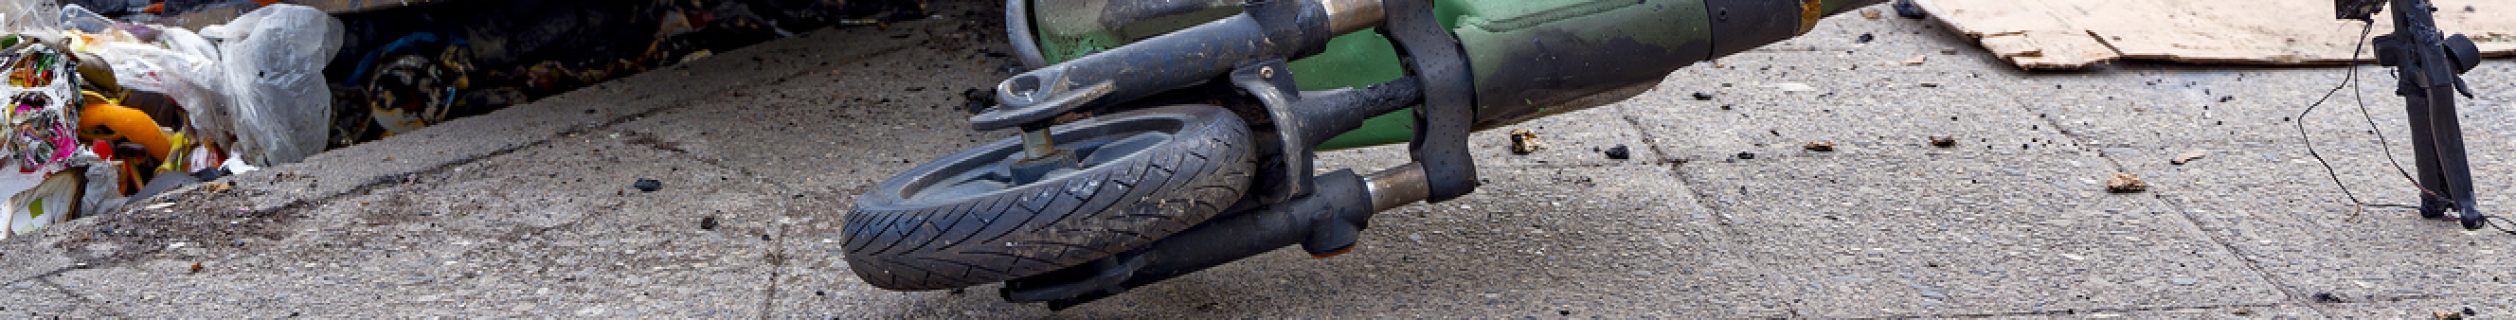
528, 211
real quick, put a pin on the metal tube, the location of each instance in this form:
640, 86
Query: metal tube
1352, 15
1327, 113
1397, 187
1155, 65
1026, 45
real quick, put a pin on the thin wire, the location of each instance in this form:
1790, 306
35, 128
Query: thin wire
2485, 220
2386, 145
2356, 206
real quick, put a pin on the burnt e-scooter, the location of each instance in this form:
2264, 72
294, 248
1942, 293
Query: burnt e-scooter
1172, 136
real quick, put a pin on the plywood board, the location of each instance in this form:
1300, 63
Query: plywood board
2073, 34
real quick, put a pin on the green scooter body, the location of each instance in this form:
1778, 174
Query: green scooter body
1530, 58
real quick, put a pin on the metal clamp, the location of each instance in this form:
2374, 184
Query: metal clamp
1442, 124
1271, 83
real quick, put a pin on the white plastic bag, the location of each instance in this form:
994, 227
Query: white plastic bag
274, 58
183, 40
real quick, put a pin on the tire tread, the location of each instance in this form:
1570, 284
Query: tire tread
999, 237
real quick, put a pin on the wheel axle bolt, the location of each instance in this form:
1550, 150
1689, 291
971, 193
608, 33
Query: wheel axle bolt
1036, 144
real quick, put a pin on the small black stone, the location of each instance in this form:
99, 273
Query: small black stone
1747, 156
1619, 152
707, 223
1906, 9
2327, 297
1865, 38
976, 100
1702, 96
647, 185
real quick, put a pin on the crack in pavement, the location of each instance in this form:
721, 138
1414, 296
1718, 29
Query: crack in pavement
1675, 167
82, 300
2249, 262
2196, 222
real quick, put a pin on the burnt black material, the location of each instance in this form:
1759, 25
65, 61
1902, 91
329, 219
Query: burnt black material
1551, 67
2362, 10
1433, 56
2428, 66
1303, 120
1739, 25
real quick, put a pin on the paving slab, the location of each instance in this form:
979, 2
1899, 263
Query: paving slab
2152, 106
1776, 113
2259, 190
1917, 235
2291, 220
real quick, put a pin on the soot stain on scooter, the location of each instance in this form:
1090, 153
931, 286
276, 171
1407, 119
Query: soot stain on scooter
1557, 66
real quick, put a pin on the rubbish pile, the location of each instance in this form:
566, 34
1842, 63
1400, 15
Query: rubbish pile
430, 65
106, 102
100, 111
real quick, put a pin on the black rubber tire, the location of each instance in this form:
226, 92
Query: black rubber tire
1061, 221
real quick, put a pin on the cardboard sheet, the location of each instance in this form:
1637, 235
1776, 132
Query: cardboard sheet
2074, 34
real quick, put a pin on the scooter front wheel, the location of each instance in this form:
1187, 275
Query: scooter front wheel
965, 219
